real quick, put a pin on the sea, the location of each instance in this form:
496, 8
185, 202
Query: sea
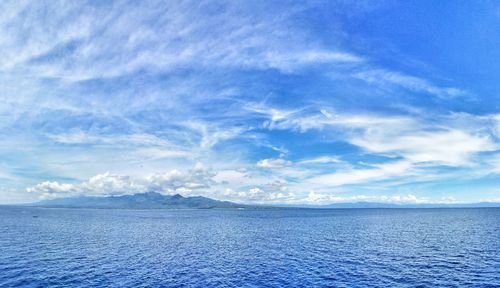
44, 247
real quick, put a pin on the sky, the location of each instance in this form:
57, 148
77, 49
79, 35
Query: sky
275, 102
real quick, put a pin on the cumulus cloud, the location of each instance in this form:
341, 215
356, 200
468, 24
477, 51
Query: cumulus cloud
236, 185
50, 187
259, 195
317, 198
102, 184
174, 181
200, 177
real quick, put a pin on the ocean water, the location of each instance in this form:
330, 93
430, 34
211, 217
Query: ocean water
250, 248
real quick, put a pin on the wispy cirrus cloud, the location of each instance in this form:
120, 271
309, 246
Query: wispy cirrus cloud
414, 143
138, 89
387, 77
77, 42
320, 160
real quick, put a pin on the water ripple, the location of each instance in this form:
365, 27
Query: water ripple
233, 248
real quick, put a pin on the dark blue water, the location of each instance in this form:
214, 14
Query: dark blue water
235, 248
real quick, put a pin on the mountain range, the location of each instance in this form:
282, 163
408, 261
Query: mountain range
148, 200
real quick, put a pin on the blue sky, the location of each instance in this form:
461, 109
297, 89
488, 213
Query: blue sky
309, 102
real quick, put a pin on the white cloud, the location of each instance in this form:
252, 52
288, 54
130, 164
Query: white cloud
417, 146
321, 199
273, 163
276, 185
200, 177
273, 113
118, 38
356, 176
290, 61
258, 195
84, 137
234, 185
50, 187
443, 147
384, 77
210, 135
321, 160
321, 119
243, 179
174, 181
159, 153
102, 184
448, 142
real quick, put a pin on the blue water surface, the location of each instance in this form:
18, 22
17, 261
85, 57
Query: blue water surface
249, 248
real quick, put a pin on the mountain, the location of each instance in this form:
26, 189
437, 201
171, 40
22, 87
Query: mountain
148, 200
